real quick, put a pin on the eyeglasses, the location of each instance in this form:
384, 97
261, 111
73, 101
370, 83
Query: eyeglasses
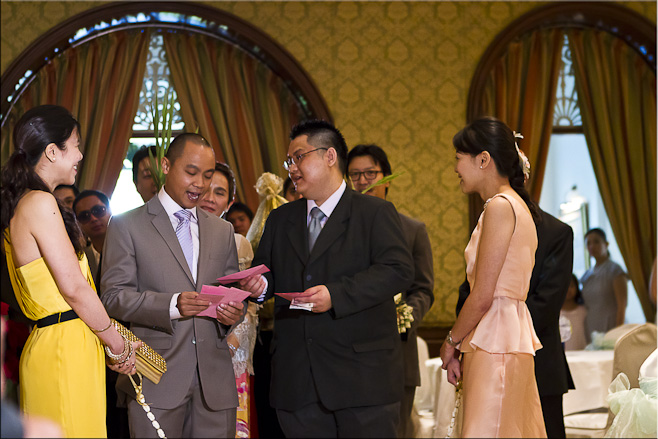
370, 175
85, 216
296, 160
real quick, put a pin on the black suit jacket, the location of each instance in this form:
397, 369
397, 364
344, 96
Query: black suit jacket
350, 355
420, 296
548, 288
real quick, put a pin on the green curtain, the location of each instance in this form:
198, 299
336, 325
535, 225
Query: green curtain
521, 91
99, 82
239, 105
617, 95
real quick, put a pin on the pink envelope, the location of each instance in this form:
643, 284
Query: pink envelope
217, 295
289, 296
259, 269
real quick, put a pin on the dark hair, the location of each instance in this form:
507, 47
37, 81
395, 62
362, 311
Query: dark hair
177, 145
91, 193
35, 130
240, 207
491, 135
579, 295
73, 187
323, 134
596, 231
373, 151
228, 173
141, 154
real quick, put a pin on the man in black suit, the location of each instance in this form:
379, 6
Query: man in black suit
548, 288
366, 165
336, 359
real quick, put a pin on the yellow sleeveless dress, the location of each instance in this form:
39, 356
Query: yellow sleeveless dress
62, 367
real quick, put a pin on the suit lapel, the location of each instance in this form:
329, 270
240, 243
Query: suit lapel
297, 233
163, 225
335, 226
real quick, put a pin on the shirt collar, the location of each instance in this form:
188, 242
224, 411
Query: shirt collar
170, 206
328, 206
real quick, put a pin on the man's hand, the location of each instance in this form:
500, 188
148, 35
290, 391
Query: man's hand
230, 313
319, 296
188, 305
254, 284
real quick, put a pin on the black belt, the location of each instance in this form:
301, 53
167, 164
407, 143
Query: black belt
57, 318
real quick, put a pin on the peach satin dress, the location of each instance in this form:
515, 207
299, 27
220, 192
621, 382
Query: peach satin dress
500, 397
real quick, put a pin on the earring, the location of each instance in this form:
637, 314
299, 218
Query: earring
480, 166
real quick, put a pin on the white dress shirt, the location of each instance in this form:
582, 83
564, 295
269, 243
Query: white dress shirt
327, 207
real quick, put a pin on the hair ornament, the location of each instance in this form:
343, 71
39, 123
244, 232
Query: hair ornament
525, 163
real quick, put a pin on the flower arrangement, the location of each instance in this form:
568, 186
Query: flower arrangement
405, 314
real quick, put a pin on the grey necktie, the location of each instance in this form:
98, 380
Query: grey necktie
314, 226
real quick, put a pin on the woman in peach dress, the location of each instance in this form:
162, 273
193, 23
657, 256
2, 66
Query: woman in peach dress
494, 331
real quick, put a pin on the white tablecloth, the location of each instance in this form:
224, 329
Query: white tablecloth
592, 374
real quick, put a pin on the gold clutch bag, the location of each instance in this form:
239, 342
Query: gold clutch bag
148, 362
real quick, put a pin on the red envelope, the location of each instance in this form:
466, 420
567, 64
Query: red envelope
258, 269
217, 295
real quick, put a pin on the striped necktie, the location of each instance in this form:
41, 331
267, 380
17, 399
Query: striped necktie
184, 235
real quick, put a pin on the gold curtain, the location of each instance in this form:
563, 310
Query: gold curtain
99, 82
521, 91
617, 96
239, 105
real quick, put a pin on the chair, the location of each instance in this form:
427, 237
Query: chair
633, 345
421, 416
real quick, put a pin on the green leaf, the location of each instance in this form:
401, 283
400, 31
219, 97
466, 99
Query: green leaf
383, 181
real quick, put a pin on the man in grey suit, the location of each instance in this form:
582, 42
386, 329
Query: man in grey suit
367, 164
156, 258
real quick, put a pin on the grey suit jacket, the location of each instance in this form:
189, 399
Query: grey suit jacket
143, 267
420, 296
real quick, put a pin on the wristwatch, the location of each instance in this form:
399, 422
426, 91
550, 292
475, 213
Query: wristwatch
450, 341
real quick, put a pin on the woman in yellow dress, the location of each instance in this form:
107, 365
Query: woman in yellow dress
62, 368
494, 330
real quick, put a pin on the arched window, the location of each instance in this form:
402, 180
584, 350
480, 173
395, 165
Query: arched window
559, 75
96, 34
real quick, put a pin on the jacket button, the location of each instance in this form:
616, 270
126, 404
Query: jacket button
309, 341
309, 277
194, 341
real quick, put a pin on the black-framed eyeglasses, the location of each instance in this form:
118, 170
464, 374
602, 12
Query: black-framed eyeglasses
98, 211
296, 160
369, 175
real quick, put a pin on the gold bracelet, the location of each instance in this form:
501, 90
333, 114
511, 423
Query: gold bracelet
95, 331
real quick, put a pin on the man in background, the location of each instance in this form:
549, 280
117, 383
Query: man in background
142, 177
366, 165
66, 193
92, 208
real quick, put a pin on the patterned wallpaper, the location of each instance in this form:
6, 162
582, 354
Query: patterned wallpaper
393, 73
